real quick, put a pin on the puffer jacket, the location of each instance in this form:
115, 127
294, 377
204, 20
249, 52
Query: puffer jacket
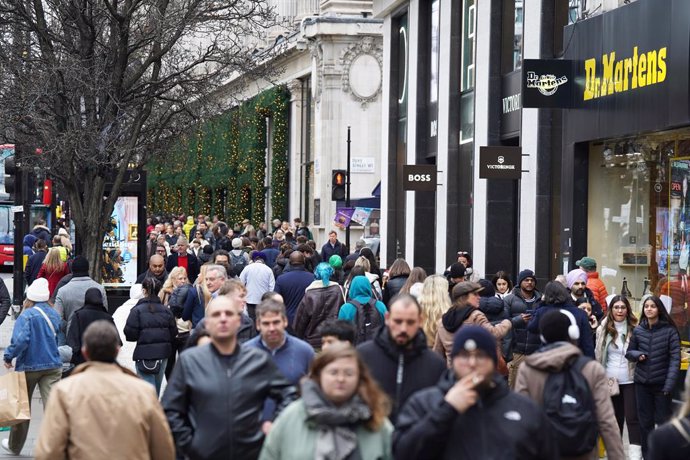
393, 287
429, 427
93, 310
660, 344
601, 346
550, 359
524, 341
401, 371
596, 285
493, 308
154, 331
319, 304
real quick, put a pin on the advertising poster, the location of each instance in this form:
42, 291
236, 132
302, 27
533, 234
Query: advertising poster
343, 216
361, 216
120, 244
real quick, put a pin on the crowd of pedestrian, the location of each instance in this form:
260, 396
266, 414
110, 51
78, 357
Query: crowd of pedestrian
261, 346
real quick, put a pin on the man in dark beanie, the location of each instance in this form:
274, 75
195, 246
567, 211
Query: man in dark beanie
70, 297
558, 329
520, 304
450, 420
455, 275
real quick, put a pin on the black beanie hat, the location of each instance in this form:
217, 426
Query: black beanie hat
457, 270
554, 325
80, 266
471, 338
525, 274
488, 290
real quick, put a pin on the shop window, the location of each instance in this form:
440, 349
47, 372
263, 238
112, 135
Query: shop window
638, 222
469, 25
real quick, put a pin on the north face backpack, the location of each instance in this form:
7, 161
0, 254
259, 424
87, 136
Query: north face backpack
238, 262
367, 320
569, 405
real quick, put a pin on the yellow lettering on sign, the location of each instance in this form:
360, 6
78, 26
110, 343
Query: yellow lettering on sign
628, 68
651, 67
618, 77
634, 68
607, 84
661, 63
590, 72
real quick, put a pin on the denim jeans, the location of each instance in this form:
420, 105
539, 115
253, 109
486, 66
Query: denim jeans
155, 379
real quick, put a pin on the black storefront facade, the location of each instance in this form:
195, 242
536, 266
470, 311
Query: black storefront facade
625, 159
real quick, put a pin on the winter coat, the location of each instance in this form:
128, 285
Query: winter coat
456, 317
147, 274
601, 346
227, 393
585, 342
291, 285
42, 233
70, 297
271, 256
596, 285
337, 249
5, 302
33, 265
154, 331
28, 242
319, 304
524, 341
33, 342
393, 287
54, 276
493, 308
104, 411
93, 310
192, 265
661, 346
419, 367
536, 368
501, 425
293, 436
667, 443
246, 332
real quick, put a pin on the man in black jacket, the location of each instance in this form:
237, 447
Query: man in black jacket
471, 413
183, 258
398, 356
215, 396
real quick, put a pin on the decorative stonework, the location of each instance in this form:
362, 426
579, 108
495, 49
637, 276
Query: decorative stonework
362, 65
316, 49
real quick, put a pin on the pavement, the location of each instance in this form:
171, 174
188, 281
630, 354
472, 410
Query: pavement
36, 403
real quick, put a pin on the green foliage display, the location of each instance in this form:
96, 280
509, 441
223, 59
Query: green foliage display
220, 167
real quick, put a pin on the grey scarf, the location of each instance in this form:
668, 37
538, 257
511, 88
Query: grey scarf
336, 438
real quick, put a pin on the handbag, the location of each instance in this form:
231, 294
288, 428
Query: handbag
14, 399
149, 366
614, 389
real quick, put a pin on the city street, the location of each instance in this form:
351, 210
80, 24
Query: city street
36, 405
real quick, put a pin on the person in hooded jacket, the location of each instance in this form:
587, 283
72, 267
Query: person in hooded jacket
655, 348
152, 325
398, 356
33, 265
41, 232
322, 300
465, 310
359, 290
471, 413
520, 304
559, 350
28, 242
93, 310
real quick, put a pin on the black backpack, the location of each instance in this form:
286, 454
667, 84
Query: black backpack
367, 320
238, 262
569, 405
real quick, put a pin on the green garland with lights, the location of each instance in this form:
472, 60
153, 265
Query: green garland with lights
219, 167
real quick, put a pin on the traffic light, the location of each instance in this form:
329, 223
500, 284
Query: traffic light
11, 177
338, 185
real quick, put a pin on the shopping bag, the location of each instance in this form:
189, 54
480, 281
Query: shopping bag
14, 399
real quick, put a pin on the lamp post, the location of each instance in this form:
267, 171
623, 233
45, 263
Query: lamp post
347, 188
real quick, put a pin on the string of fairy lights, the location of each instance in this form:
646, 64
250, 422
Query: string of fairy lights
220, 167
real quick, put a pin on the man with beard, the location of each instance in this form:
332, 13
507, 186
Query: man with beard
520, 304
450, 419
398, 356
156, 270
577, 283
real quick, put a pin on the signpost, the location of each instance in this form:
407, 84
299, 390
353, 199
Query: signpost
420, 178
500, 162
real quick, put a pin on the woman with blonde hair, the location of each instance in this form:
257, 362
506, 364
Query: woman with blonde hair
53, 269
173, 295
435, 302
342, 413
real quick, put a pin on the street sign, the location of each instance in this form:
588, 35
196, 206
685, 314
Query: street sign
500, 162
420, 178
